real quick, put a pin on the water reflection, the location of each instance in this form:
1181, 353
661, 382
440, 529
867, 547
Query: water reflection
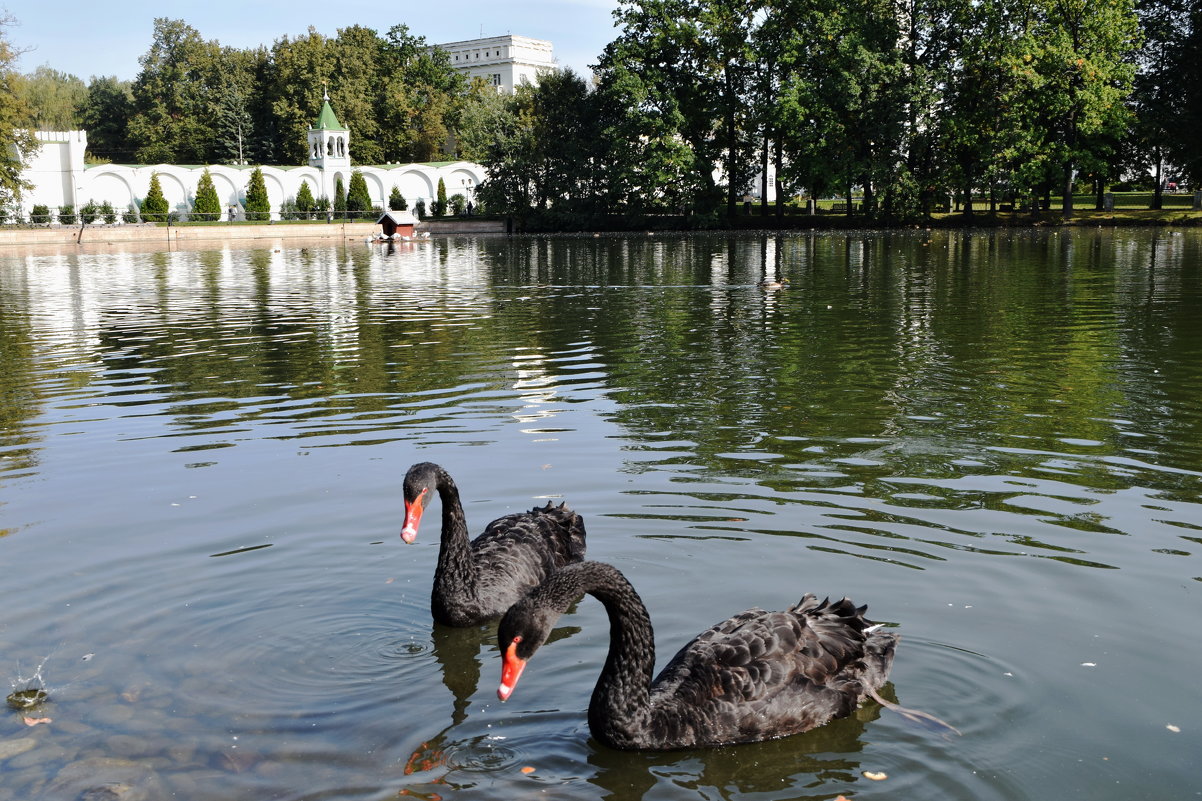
992, 438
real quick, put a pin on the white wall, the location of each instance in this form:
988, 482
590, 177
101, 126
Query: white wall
59, 178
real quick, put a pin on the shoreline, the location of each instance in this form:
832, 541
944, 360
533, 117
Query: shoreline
168, 237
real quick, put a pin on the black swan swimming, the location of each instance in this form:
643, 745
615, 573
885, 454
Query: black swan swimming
757, 676
478, 580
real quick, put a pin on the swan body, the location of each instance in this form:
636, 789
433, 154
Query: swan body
756, 676
478, 580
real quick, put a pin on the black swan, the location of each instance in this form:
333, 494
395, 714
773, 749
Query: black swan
757, 676
478, 580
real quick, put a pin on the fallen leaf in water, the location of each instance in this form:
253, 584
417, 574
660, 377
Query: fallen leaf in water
875, 775
528, 769
35, 721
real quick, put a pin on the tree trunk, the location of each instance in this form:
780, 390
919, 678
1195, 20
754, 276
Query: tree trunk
764, 175
778, 157
1067, 212
1157, 190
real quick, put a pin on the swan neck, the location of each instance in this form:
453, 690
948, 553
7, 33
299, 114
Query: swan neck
455, 565
620, 709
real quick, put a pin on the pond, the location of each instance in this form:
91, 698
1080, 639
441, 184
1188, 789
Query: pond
993, 439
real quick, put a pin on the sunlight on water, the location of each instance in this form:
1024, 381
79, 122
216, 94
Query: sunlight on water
992, 439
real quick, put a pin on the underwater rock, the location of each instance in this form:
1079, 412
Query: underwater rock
105, 779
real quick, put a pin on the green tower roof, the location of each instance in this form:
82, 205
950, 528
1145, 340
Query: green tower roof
326, 120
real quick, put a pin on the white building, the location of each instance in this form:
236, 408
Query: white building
504, 61
61, 178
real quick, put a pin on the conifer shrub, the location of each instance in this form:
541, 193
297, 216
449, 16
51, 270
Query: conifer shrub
154, 206
207, 206
257, 205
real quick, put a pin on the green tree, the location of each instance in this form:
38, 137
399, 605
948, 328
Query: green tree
54, 99
155, 206
298, 67
67, 215
358, 200
354, 85
439, 207
339, 198
173, 96
481, 117
14, 115
305, 204
257, 205
105, 115
1081, 71
207, 205
396, 201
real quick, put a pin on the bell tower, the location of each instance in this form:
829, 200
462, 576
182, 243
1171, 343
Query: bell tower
329, 147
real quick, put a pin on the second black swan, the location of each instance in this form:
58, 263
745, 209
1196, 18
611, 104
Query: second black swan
756, 676
478, 580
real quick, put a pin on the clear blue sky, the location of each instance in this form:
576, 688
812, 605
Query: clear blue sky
108, 37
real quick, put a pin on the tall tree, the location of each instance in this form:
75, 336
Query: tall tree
54, 99
14, 115
1082, 71
300, 68
174, 95
105, 116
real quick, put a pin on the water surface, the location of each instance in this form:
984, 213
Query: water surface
994, 439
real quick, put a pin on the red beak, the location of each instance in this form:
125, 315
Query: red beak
413, 517
511, 671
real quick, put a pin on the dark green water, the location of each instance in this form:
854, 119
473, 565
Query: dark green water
992, 439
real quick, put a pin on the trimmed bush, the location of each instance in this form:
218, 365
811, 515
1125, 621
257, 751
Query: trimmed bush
155, 206
304, 201
257, 205
396, 201
207, 206
358, 200
66, 215
339, 198
40, 215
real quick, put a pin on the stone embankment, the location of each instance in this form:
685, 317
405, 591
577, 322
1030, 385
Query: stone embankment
170, 236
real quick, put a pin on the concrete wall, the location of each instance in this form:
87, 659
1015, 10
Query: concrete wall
60, 177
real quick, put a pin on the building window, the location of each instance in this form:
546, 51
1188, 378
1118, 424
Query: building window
496, 79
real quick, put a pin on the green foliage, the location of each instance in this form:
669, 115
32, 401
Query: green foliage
458, 203
207, 205
358, 200
105, 114
40, 214
396, 201
16, 141
439, 207
155, 206
257, 205
130, 215
90, 212
67, 215
305, 204
54, 99
419, 208
339, 197
108, 213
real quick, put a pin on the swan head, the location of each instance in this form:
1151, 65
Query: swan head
420, 483
524, 628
